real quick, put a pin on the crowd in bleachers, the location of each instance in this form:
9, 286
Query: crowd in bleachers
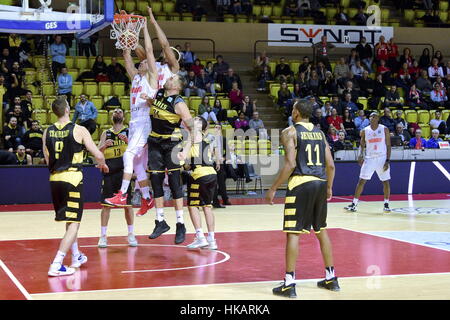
410, 91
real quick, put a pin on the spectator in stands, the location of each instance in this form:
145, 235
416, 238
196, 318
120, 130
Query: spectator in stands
335, 120
404, 78
349, 126
418, 142
258, 125
206, 111
84, 46
27, 107
438, 97
16, 76
100, 69
86, 113
228, 80
366, 85
361, 121
357, 70
341, 17
220, 68
17, 112
12, 135
283, 71
7, 60
384, 71
14, 45
65, 83
198, 12
332, 136
341, 143
264, 76
323, 48
298, 92
248, 107
292, 8
348, 104
112, 68
399, 119
33, 140
360, 18
328, 85
208, 82
196, 67
365, 53
438, 55
262, 60
381, 51
423, 83
241, 122
188, 55
387, 120
438, 123
305, 65
321, 70
393, 54
341, 69
349, 88
326, 109
247, 7
22, 158
236, 97
236, 7
235, 166
319, 121
313, 82
58, 51
433, 142
439, 81
284, 96
194, 86
415, 71
209, 71
425, 59
435, 70
407, 58
402, 134
221, 113
352, 58
446, 69
314, 103
7, 158
392, 98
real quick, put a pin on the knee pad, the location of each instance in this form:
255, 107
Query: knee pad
128, 158
176, 187
157, 180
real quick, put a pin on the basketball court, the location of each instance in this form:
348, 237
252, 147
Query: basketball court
402, 255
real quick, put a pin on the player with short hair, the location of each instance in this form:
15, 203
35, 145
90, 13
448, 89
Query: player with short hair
375, 156
202, 182
143, 91
113, 143
63, 151
309, 166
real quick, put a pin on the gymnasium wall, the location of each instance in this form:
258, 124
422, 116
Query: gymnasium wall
28, 185
240, 37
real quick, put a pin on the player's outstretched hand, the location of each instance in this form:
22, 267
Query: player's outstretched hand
103, 168
270, 194
150, 13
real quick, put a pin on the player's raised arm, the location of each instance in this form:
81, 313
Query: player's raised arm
182, 110
289, 141
168, 52
129, 65
151, 61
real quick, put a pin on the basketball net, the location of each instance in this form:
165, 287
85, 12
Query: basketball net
127, 28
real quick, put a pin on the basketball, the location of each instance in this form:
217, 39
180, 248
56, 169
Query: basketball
140, 52
128, 40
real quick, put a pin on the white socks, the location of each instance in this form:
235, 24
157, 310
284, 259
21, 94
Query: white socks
179, 214
199, 233
75, 251
59, 257
355, 201
160, 214
289, 278
104, 231
210, 236
145, 192
131, 229
386, 201
125, 185
329, 273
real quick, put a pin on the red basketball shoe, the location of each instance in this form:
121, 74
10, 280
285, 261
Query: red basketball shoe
146, 204
119, 200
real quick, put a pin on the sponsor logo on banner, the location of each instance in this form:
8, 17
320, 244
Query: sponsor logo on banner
299, 35
422, 210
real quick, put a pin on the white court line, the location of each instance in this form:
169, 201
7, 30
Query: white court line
390, 238
412, 171
442, 169
241, 283
15, 281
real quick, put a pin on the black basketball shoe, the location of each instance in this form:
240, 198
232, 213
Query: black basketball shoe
386, 208
331, 284
351, 207
285, 291
160, 228
180, 235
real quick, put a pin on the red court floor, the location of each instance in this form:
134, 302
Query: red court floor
253, 256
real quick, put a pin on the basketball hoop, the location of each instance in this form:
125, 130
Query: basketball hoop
126, 30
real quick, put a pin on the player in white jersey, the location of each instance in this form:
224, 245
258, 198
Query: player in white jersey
375, 156
143, 89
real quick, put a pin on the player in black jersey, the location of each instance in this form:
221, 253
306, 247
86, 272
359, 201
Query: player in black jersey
310, 169
202, 182
113, 143
63, 151
167, 113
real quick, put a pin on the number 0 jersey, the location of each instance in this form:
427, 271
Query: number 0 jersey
311, 148
64, 151
114, 153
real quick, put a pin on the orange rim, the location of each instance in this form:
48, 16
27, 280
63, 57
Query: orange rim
119, 17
